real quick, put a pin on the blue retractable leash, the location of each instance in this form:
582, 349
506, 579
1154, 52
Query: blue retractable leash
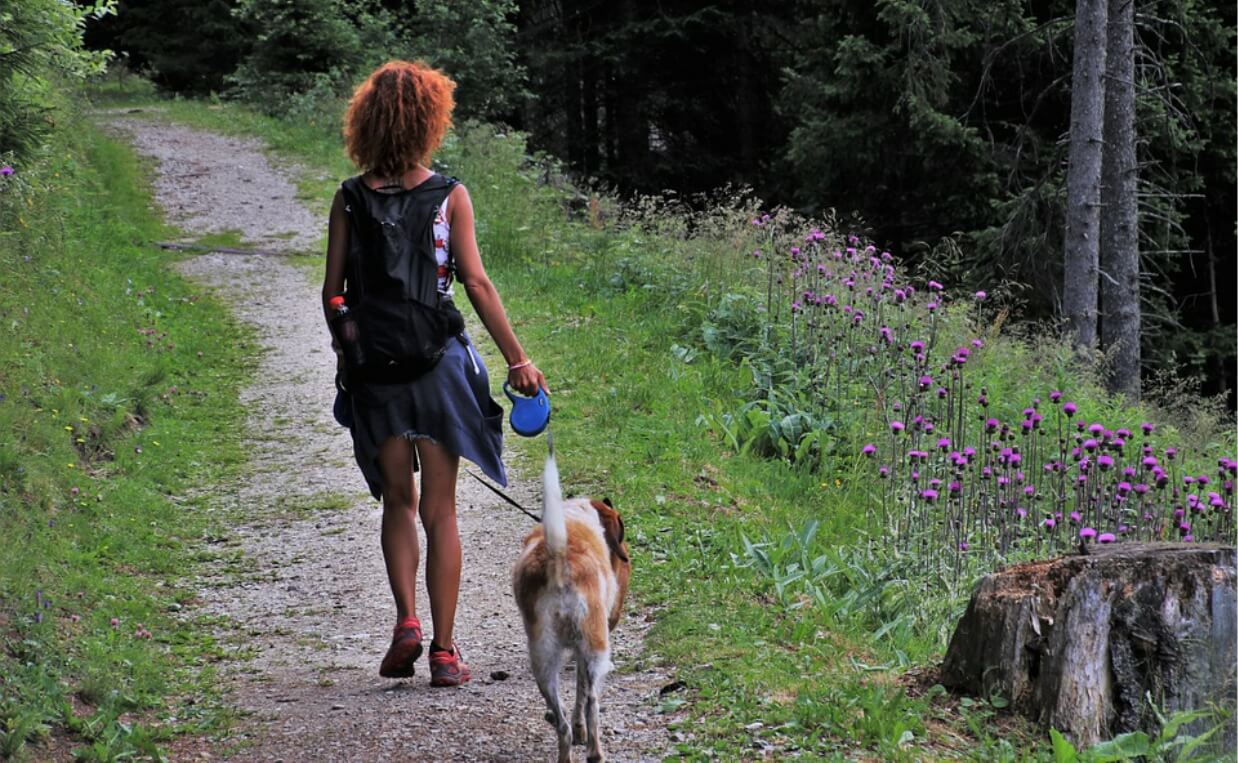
530, 417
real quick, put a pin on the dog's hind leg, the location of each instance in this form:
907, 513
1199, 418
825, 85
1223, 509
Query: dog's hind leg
594, 668
546, 657
579, 733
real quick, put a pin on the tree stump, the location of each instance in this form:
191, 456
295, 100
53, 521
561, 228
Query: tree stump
1079, 643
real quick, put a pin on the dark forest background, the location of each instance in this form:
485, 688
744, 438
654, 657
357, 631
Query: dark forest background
936, 128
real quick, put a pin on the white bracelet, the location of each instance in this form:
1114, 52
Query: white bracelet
521, 364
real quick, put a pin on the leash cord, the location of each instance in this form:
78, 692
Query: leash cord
504, 496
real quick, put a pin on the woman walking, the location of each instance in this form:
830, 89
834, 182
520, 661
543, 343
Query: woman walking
394, 123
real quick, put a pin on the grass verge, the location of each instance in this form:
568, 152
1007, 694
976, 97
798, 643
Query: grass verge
118, 394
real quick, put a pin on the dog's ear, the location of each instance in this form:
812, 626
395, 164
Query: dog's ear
612, 527
608, 503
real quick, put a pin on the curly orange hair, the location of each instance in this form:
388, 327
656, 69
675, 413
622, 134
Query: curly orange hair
397, 117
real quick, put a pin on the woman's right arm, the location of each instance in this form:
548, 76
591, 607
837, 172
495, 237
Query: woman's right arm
337, 254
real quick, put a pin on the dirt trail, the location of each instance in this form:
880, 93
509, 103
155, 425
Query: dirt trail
310, 601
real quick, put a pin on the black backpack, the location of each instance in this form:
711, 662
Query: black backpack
391, 276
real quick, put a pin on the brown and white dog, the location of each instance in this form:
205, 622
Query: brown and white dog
570, 582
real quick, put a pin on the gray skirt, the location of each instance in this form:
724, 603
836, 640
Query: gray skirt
450, 405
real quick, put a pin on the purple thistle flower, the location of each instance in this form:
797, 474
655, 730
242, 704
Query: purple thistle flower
1104, 462
1170, 453
991, 424
5, 171
1076, 517
931, 307
1141, 489
1202, 479
1020, 512
883, 472
1029, 491
981, 296
977, 343
942, 392
1087, 533
897, 426
1149, 462
1147, 427
934, 286
1055, 396
955, 486
869, 450
917, 346
929, 495
963, 545
944, 443
1090, 445
1105, 538
1070, 409
1096, 430
1049, 523
1184, 528
925, 382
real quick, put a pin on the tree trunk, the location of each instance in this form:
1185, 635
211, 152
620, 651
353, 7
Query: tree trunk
1119, 225
1081, 643
1083, 174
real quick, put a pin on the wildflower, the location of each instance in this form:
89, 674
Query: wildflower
1146, 427
1104, 462
917, 346
883, 472
955, 487
1090, 445
1069, 409
1124, 487
931, 307
1105, 538
1075, 517
756, 253
1141, 489
1170, 453
925, 382
963, 546
983, 400
897, 426
115, 622
991, 425
1149, 462
942, 392
1087, 533
869, 450
944, 443
929, 495
6, 170
1055, 396
1049, 523
1184, 528
1029, 491
977, 343
1096, 430
981, 296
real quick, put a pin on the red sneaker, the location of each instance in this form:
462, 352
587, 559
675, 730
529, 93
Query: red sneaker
446, 667
404, 650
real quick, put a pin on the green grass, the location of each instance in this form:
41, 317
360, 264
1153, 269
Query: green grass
119, 396
613, 313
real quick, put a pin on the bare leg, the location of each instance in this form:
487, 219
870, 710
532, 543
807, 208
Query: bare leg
401, 547
438, 515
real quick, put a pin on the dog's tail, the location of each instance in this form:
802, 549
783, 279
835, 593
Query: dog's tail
554, 525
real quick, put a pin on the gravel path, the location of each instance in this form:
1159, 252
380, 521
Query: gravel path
307, 604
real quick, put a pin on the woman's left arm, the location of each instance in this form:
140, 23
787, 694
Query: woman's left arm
522, 374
